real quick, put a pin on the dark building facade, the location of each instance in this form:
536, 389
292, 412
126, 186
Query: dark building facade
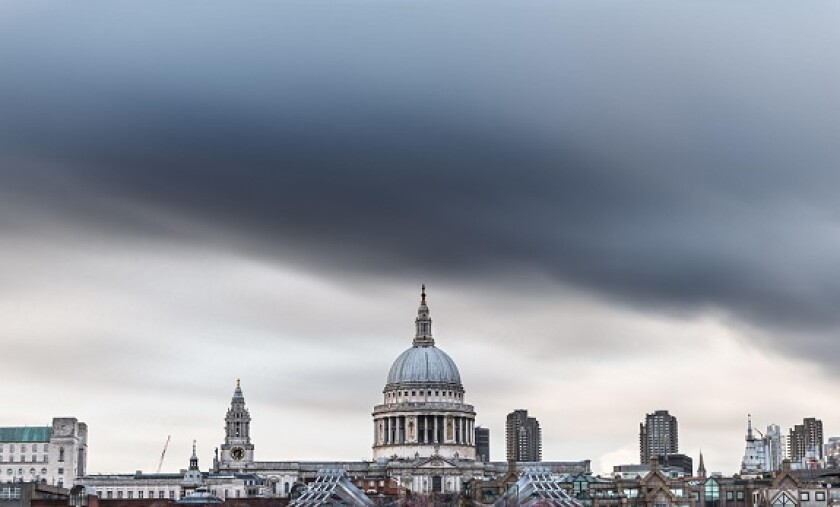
482, 444
658, 435
523, 437
681, 461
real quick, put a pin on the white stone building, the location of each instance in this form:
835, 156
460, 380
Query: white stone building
54, 455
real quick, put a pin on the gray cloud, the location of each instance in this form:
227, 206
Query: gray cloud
680, 158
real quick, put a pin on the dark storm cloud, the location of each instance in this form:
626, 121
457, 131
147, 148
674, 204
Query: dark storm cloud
681, 156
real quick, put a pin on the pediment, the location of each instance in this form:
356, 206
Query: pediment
786, 481
436, 461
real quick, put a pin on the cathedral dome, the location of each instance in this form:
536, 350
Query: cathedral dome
424, 365
423, 413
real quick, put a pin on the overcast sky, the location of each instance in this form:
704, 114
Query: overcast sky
617, 207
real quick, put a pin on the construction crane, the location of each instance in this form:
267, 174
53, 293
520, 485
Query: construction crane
162, 454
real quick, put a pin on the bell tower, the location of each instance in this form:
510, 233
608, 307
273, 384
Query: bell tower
237, 451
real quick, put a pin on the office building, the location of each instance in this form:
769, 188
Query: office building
55, 455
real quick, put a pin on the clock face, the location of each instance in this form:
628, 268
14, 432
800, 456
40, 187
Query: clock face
237, 453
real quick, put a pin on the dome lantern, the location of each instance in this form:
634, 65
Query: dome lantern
423, 323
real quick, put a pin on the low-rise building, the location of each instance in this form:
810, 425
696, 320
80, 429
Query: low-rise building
54, 455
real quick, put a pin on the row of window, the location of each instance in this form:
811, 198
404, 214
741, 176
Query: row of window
130, 494
34, 447
735, 495
429, 393
805, 496
32, 471
10, 493
33, 450
120, 494
22, 459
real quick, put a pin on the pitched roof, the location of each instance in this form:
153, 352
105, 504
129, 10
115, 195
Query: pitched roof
26, 434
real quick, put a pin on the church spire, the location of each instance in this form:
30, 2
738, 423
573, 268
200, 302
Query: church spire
194, 459
701, 468
237, 393
423, 323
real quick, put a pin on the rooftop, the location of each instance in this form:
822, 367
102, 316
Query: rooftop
26, 434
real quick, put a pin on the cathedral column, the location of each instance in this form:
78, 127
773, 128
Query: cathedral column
435, 434
467, 424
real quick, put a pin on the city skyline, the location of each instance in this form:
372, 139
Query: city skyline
616, 209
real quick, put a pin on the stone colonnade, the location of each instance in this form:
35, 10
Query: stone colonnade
429, 429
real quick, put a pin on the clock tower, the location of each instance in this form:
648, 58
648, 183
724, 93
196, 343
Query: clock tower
237, 451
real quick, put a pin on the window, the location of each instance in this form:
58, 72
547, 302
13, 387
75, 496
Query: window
60, 471
237, 493
61, 454
139, 494
43, 471
110, 494
730, 495
11, 447
22, 448
414, 393
172, 495
131, 494
819, 496
35, 447
711, 491
160, 494
804, 496
119, 494
783, 500
740, 496
10, 493
45, 458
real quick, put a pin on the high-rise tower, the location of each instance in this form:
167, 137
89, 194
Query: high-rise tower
657, 436
806, 440
237, 449
523, 437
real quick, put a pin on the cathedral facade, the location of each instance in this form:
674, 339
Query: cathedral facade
423, 441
